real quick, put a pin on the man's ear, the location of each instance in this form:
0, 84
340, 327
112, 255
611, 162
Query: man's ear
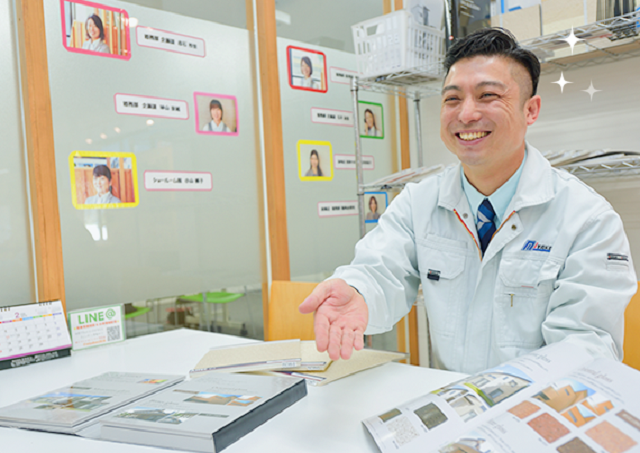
532, 109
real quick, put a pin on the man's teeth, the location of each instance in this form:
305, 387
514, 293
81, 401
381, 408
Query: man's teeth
472, 135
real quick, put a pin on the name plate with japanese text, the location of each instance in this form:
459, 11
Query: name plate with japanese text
178, 180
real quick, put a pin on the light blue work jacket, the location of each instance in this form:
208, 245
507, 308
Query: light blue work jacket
558, 267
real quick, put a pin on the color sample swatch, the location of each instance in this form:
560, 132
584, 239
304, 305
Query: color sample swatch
575, 445
611, 438
548, 427
524, 409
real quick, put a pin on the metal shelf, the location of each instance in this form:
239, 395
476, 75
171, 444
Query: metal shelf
596, 37
619, 166
411, 83
424, 82
398, 180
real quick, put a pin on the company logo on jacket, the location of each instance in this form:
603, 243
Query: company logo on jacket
536, 246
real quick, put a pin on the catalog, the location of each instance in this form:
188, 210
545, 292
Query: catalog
73, 408
557, 399
205, 414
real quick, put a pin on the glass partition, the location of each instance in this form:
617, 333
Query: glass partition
316, 63
156, 159
16, 260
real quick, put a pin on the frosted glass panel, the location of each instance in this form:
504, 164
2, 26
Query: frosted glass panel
15, 249
326, 23
192, 224
319, 244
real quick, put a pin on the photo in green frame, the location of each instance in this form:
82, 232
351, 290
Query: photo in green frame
371, 117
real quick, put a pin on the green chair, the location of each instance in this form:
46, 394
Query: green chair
220, 298
137, 311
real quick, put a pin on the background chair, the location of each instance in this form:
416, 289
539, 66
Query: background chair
284, 321
632, 333
218, 298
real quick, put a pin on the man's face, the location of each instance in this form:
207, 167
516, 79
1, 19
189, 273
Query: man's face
102, 184
483, 116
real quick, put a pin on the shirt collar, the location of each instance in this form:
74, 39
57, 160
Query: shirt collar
499, 199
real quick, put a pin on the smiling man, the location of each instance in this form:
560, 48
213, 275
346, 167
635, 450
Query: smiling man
511, 253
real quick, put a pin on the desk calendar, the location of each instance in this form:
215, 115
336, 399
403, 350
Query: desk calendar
33, 333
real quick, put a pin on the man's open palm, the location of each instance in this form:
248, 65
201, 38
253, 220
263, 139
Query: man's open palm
341, 316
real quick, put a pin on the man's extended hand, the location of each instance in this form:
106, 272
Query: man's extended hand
341, 316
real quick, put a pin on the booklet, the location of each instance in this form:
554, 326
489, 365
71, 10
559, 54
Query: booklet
206, 414
76, 407
557, 399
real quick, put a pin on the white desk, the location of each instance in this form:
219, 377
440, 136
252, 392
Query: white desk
326, 420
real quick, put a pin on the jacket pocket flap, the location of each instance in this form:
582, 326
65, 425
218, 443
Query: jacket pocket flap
520, 273
549, 270
444, 264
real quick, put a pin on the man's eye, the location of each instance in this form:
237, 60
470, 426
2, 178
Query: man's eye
484, 95
453, 98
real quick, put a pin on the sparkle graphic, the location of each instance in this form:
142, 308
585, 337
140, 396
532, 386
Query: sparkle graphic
591, 90
562, 82
572, 39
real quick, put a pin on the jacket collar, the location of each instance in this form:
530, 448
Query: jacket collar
535, 186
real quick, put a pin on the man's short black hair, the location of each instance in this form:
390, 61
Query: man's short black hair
494, 41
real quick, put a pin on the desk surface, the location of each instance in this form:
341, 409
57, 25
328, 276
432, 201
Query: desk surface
328, 419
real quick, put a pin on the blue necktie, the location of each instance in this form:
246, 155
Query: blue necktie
486, 227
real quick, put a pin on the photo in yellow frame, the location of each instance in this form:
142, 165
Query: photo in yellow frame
315, 160
103, 180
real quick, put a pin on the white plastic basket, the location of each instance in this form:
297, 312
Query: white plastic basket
395, 42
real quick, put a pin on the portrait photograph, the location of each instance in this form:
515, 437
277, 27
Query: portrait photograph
216, 114
315, 160
307, 69
375, 203
95, 29
103, 180
371, 120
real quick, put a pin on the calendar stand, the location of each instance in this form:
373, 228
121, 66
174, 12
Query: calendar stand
33, 333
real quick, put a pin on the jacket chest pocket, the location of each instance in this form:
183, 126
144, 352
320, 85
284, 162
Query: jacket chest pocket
441, 272
521, 300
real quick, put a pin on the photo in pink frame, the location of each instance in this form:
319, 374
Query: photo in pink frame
216, 114
95, 29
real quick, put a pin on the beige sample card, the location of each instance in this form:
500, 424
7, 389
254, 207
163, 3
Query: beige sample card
250, 357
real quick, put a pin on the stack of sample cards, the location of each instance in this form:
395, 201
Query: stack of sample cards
269, 355
338, 369
293, 358
78, 406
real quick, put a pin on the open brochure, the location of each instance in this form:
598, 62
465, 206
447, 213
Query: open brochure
74, 408
557, 399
